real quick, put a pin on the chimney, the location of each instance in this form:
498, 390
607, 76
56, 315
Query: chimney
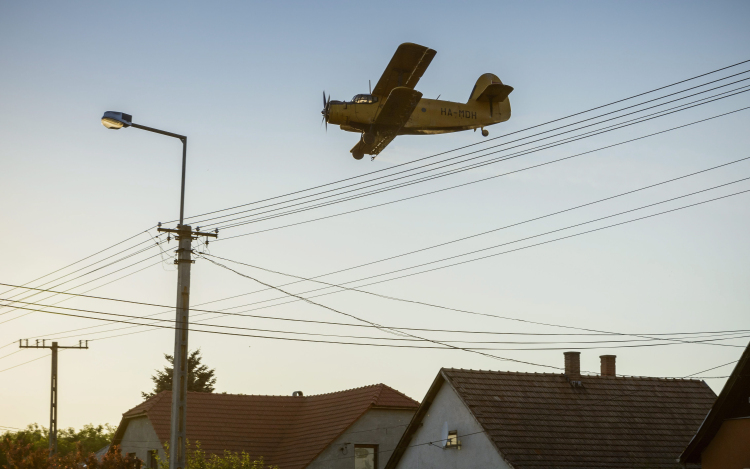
608, 365
573, 365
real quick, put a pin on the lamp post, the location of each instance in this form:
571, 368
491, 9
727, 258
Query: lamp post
185, 235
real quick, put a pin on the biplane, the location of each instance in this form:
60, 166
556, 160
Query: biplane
395, 108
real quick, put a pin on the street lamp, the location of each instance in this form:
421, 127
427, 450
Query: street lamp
184, 233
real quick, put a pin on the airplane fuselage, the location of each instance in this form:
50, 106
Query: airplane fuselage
431, 116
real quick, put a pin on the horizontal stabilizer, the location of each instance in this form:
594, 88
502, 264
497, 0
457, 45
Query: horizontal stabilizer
495, 93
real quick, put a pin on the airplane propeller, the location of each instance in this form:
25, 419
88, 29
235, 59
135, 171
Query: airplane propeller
326, 109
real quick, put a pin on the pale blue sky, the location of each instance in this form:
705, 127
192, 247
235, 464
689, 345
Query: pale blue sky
244, 81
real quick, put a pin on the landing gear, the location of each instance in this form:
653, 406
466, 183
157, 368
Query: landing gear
358, 155
368, 138
485, 132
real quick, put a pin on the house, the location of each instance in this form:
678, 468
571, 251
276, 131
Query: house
294, 432
723, 439
492, 419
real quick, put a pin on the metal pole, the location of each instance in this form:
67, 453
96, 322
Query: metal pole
53, 404
182, 191
178, 439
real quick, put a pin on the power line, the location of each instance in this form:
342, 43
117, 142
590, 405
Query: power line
201, 222
78, 261
82, 275
486, 178
501, 253
91, 289
531, 219
743, 335
340, 286
526, 238
484, 141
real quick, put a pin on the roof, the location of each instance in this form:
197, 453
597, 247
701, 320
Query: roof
287, 431
541, 420
733, 402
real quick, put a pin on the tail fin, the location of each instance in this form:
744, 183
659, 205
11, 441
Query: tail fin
490, 89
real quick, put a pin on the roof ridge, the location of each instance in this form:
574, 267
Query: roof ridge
534, 373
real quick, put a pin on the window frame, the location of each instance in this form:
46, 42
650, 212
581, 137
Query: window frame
152, 461
375, 453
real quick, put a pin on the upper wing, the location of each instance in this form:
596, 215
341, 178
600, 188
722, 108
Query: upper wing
391, 119
405, 68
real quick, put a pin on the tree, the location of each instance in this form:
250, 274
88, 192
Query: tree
200, 377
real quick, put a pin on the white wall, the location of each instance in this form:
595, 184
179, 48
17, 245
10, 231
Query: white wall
139, 438
477, 451
376, 427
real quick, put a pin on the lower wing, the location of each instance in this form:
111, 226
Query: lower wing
389, 122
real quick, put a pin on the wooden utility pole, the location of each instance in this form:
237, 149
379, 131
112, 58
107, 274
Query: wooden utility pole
53, 386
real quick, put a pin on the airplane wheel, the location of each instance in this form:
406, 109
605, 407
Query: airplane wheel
368, 138
358, 155
485, 132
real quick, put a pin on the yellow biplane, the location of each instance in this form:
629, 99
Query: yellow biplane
395, 108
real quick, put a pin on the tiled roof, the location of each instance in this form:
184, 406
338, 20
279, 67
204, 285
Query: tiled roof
287, 431
541, 420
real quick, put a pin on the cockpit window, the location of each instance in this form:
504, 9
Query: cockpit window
364, 99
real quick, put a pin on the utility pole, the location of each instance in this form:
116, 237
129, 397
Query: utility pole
185, 235
53, 386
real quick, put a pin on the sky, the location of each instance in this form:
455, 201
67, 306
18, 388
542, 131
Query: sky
244, 81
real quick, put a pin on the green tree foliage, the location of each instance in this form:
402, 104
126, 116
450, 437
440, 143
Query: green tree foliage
198, 459
91, 438
21, 453
200, 377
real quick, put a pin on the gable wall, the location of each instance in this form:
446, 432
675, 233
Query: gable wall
139, 438
730, 447
477, 451
377, 426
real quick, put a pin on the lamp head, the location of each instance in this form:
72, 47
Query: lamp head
116, 120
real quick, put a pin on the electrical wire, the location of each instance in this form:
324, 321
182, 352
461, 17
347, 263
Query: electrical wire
598, 131
7, 305
478, 143
517, 240
85, 283
744, 335
339, 286
483, 179
529, 220
514, 250
78, 261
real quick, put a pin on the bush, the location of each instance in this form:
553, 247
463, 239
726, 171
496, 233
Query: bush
198, 459
92, 438
20, 453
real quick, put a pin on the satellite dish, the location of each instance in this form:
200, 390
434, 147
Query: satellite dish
444, 435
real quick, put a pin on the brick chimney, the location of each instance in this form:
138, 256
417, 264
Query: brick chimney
608, 365
573, 365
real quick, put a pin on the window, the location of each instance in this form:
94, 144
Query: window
364, 99
365, 456
452, 441
152, 463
